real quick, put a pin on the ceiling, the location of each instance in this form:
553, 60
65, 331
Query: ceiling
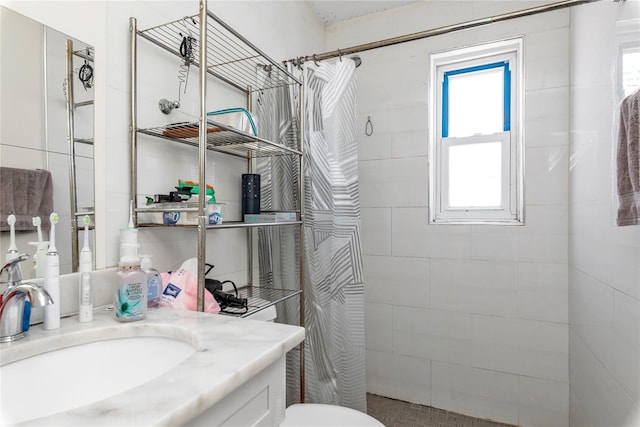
331, 12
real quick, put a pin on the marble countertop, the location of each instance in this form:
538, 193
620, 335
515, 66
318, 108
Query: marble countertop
229, 352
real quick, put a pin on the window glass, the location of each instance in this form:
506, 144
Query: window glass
476, 102
475, 175
630, 70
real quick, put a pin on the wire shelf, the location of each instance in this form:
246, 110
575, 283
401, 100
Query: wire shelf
259, 299
221, 138
230, 57
226, 224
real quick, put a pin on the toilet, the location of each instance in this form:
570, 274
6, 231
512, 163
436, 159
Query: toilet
314, 414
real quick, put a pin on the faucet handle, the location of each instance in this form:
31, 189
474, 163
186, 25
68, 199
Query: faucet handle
13, 271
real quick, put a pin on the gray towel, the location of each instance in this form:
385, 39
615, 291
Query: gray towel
628, 161
25, 193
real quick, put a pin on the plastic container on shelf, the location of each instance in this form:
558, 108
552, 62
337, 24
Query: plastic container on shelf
174, 216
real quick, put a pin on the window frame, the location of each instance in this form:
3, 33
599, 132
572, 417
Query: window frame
469, 59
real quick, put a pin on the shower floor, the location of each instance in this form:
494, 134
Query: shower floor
397, 413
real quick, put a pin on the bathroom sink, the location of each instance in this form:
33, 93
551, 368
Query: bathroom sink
71, 377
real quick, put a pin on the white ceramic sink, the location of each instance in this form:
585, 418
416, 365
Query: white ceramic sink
68, 378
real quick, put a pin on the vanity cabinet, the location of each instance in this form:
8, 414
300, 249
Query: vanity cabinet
230, 58
259, 402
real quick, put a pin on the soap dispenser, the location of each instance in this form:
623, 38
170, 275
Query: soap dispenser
130, 296
154, 282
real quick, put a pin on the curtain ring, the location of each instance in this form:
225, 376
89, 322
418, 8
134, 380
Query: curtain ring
340, 54
315, 61
368, 128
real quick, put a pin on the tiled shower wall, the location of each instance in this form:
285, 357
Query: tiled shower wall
472, 319
604, 260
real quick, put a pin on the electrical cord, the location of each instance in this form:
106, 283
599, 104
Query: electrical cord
85, 75
228, 303
187, 52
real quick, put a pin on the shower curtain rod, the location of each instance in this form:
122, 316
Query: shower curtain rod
439, 31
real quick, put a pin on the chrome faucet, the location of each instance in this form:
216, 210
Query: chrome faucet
15, 307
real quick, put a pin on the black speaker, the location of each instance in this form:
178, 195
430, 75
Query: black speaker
250, 193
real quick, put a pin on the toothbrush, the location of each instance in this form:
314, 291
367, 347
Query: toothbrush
12, 252
52, 279
41, 249
86, 261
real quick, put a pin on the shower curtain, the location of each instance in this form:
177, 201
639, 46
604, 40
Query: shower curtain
333, 278
334, 308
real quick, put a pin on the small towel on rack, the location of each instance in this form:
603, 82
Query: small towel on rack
628, 161
25, 193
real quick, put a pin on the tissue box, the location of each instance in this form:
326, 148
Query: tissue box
215, 212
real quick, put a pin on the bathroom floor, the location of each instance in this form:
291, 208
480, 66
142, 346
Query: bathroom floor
396, 413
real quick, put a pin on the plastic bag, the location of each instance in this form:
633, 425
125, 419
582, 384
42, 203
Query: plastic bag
180, 289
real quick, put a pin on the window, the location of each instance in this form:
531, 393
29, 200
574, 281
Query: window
630, 67
475, 141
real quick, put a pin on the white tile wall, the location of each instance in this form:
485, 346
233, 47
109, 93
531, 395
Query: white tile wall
603, 401
376, 231
626, 348
468, 390
491, 317
433, 334
399, 377
543, 292
485, 287
542, 402
604, 266
379, 335
519, 346
393, 182
397, 281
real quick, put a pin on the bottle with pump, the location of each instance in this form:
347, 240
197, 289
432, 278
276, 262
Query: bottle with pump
154, 282
130, 299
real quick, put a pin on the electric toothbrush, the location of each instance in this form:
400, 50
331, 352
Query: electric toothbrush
85, 291
86, 259
12, 252
41, 249
52, 279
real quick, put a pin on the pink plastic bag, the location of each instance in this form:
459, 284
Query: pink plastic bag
180, 289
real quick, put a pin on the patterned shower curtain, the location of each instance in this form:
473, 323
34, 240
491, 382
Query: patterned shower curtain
333, 278
334, 294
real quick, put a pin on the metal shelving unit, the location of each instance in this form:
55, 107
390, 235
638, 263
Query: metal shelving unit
71, 106
229, 57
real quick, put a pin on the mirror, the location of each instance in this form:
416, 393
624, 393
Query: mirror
36, 125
